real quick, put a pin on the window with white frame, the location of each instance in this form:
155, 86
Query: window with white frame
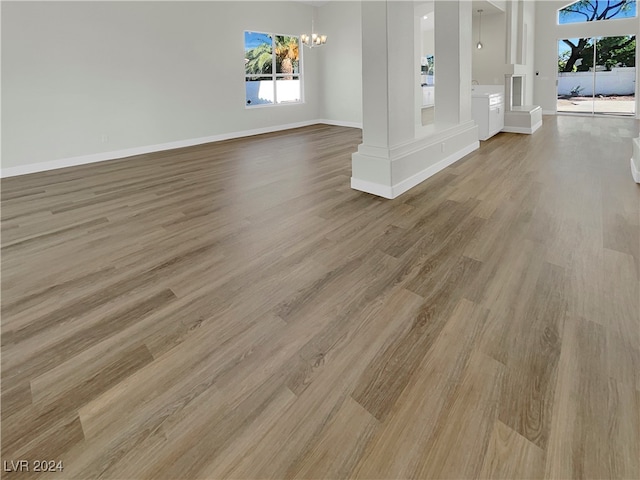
596, 11
272, 68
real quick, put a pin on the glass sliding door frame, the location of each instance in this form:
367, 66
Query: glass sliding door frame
597, 91
575, 89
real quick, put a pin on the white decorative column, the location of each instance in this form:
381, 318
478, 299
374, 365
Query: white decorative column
519, 116
388, 88
453, 58
395, 155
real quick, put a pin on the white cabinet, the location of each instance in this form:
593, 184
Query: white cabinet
487, 110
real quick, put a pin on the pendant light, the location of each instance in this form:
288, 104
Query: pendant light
479, 45
315, 39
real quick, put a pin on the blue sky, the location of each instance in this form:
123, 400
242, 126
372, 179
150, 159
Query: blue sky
253, 39
563, 47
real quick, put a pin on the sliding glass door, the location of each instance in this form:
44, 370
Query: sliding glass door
615, 75
597, 75
575, 82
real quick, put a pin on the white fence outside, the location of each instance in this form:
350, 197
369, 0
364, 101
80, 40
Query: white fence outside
262, 93
619, 81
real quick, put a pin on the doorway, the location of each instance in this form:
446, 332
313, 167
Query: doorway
596, 75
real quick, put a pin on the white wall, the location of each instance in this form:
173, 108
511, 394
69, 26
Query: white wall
453, 62
340, 62
137, 73
428, 42
548, 32
529, 25
489, 62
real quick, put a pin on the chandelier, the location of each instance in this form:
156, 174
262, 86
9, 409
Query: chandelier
314, 39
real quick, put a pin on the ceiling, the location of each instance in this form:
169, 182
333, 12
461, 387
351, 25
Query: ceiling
489, 7
314, 3
422, 9
427, 8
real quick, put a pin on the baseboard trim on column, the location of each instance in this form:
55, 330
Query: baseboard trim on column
399, 188
409, 183
526, 130
635, 172
378, 189
635, 160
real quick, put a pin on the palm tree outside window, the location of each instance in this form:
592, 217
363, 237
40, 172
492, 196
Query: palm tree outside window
264, 84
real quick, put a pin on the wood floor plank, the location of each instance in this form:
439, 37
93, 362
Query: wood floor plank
214, 347
526, 404
388, 375
398, 447
459, 444
42, 415
313, 411
258, 428
340, 444
589, 407
510, 455
19, 366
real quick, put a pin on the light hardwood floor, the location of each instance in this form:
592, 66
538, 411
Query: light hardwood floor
235, 310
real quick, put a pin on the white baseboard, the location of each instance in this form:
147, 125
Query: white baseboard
340, 123
130, 152
536, 126
549, 112
635, 172
526, 130
398, 189
516, 130
378, 189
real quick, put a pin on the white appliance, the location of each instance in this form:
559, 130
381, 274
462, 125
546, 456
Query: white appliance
487, 110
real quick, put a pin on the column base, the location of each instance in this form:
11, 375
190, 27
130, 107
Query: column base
390, 173
525, 119
635, 160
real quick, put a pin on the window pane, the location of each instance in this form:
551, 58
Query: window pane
259, 91
287, 54
587, 11
258, 53
575, 80
288, 89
